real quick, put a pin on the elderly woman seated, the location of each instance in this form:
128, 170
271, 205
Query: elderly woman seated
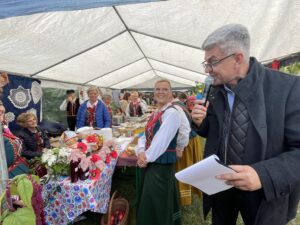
13, 145
34, 139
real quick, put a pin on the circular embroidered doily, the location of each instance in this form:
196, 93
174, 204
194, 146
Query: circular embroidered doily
10, 116
20, 97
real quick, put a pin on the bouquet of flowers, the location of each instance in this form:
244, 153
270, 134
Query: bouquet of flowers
56, 161
94, 162
84, 157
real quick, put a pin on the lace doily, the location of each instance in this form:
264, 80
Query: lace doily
10, 116
36, 92
20, 97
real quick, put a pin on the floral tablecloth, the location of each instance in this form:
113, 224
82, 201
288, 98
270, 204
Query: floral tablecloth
66, 200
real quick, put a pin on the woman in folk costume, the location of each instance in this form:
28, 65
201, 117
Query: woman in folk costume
136, 107
15, 163
192, 154
93, 112
158, 197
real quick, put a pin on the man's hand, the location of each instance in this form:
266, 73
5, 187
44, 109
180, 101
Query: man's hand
142, 160
245, 179
199, 112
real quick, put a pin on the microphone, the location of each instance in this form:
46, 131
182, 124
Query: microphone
204, 89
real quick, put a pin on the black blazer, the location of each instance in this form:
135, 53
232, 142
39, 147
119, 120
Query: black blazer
273, 140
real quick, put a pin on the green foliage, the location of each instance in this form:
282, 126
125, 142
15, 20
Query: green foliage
52, 99
22, 186
25, 191
292, 68
21, 216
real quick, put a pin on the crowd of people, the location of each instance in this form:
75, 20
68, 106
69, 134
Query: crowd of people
247, 123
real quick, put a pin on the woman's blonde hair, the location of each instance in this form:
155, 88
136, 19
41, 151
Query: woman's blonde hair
24, 117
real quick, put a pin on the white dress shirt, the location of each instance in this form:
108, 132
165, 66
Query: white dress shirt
184, 129
163, 137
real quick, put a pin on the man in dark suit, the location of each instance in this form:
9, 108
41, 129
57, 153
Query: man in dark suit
252, 123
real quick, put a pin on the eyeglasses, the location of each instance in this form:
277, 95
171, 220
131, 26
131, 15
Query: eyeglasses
209, 66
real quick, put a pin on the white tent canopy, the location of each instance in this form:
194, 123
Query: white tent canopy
132, 46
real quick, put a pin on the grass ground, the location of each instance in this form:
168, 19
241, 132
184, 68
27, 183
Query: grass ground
124, 183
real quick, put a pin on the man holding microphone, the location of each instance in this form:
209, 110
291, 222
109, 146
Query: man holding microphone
254, 128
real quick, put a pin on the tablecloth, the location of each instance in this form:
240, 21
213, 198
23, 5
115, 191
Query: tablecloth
66, 200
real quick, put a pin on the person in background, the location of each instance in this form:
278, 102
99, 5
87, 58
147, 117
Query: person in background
93, 112
193, 153
34, 139
16, 164
136, 107
3, 81
112, 107
142, 98
252, 123
124, 101
71, 105
190, 103
158, 195
182, 97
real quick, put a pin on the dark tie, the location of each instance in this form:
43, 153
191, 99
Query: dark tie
238, 132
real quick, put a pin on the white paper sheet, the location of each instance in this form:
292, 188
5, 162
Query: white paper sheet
202, 175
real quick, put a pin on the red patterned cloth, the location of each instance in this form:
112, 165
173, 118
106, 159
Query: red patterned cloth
149, 128
91, 115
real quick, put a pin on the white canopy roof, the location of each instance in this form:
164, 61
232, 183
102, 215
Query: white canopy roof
132, 46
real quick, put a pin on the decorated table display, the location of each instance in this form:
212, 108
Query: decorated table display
80, 176
127, 156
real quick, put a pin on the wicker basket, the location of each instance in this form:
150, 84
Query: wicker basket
115, 204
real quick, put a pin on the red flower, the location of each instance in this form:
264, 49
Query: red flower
107, 160
95, 174
91, 139
114, 154
95, 158
82, 147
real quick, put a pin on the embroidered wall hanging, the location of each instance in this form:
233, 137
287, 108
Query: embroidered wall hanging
20, 95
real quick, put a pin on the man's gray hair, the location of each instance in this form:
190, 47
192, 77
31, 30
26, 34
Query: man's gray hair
229, 38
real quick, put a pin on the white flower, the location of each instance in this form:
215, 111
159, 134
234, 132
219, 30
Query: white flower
51, 160
46, 155
64, 153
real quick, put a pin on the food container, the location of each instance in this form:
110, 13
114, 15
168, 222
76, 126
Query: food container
117, 120
129, 132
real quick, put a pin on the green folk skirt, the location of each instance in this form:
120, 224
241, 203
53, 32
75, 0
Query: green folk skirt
158, 198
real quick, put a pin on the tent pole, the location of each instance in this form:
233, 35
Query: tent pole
3, 164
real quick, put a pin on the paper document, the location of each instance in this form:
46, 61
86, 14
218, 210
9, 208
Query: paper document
202, 175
